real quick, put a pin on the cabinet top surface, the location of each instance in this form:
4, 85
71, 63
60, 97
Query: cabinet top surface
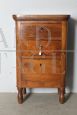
41, 17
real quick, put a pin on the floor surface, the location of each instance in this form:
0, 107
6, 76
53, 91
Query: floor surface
37, 104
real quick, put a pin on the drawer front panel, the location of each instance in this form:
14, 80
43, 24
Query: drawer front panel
45, 81
30, 47
40, 31
42, 67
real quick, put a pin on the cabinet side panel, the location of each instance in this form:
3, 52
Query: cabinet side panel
18, 55
64, 47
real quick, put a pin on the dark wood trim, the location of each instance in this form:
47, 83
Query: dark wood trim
41, 17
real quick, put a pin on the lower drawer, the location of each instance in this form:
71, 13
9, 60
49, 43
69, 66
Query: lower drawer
41, 67
45, 81
42, 72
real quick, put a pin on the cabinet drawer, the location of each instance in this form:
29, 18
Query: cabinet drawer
41, 70
41, 30
41, 81
42, 66
31, 47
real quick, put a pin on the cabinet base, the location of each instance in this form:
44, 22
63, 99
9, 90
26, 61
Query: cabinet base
22, 92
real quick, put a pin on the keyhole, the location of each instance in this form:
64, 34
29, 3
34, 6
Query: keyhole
40, 64
41, 29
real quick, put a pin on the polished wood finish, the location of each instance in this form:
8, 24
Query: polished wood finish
20, 95
41, 43
41, 17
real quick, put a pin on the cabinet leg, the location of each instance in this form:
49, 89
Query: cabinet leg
58, 90
24, 90
61, 95
20, 95
64, 91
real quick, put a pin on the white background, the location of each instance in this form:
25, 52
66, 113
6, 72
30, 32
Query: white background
7, 26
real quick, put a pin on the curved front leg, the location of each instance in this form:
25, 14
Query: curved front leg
20, 95
24, 90
61, 95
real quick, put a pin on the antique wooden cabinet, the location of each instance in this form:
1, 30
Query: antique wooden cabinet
41, 43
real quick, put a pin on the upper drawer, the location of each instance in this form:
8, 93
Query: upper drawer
41, 30
31, 47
